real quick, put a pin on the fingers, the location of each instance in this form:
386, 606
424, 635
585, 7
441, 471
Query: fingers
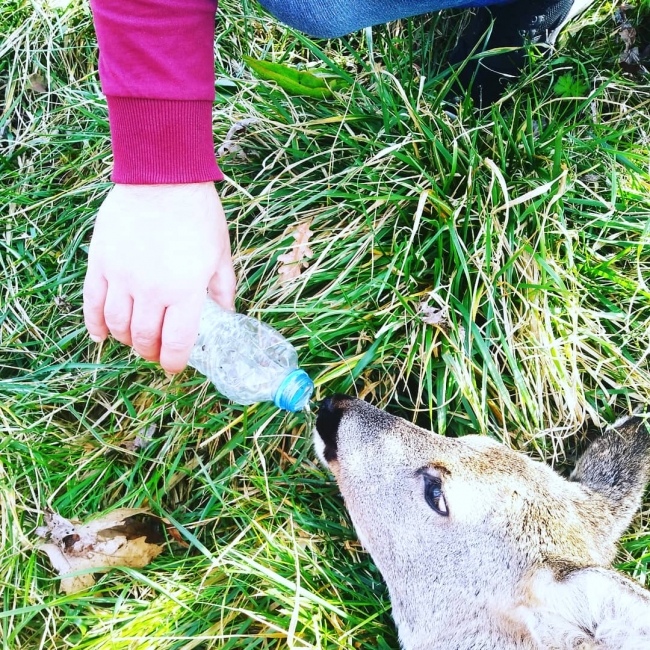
179, 333
117, 313
146, 328
137, 323
94, 294
223, 284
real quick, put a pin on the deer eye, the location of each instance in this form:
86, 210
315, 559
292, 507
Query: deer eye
433, 495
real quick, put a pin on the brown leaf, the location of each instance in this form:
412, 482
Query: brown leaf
628, 35
438, 316
63, 304
435, 315
293, 261
37, 83
141, 440
630, 59
175, 534
230, 145
128, 537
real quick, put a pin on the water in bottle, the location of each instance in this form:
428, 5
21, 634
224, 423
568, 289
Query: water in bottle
248, 361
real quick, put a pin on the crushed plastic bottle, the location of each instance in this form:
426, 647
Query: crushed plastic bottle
248, 361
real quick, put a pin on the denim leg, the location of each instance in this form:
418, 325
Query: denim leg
332, 18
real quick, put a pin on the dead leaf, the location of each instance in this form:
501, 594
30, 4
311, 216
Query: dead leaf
128, 537
141, 440
229, 145
63, 304
37, 83
174, 533
438, 316
292, 263
631, 60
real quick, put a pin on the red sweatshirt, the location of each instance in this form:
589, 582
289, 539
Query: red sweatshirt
156, 65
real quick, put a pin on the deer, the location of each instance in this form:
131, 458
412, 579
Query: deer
483, 547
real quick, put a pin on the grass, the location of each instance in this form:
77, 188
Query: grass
528, 224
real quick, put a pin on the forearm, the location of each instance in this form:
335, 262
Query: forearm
157, 70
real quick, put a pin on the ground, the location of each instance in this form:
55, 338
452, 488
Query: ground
474, 272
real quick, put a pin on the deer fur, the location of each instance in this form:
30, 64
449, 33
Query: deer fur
514, 557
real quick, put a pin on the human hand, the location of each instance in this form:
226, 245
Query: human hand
154, 250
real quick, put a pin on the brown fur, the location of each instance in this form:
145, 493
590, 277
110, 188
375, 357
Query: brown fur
521, 562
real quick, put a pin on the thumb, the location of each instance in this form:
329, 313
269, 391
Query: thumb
223, 284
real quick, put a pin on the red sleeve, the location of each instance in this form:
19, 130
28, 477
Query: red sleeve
156, 65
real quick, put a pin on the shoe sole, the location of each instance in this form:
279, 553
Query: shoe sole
577, 8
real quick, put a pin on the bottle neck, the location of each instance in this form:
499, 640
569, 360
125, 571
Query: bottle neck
294, 392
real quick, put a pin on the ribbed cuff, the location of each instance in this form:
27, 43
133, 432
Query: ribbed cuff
158, 141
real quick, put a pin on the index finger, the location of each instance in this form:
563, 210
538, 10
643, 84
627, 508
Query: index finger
179, 333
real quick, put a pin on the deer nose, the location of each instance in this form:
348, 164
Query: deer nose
330, 412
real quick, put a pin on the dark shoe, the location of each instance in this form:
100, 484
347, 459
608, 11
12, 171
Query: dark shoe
511, 25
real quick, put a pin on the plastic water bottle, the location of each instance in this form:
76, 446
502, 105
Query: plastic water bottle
249, 361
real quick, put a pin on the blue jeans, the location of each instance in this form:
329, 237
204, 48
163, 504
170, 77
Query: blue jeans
332, 18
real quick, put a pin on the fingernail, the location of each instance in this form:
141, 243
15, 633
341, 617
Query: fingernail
97, 339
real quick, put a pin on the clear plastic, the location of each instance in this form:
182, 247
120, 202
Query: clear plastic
248, 361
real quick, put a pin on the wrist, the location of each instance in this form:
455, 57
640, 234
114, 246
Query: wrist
161, 142
160, 199
158, 188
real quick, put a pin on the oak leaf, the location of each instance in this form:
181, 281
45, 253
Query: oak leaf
292, 262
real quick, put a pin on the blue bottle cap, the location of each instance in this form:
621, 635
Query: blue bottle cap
294, 392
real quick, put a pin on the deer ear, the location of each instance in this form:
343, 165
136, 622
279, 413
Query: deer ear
617, 467
590, 607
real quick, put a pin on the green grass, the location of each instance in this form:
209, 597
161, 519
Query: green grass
529, 223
